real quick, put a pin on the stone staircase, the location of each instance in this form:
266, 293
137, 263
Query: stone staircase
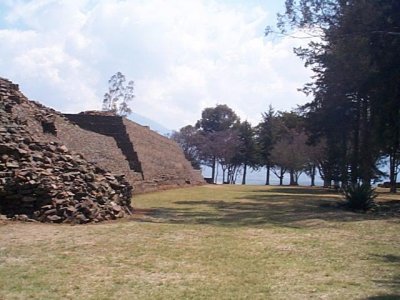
111, 126
162, 159
159, 160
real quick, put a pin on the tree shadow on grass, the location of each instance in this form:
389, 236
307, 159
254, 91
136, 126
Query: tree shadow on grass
288, 207
300, 190
394, 283
385, 297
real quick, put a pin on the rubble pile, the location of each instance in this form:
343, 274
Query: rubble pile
45, 181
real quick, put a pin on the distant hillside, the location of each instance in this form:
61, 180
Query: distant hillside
149, 122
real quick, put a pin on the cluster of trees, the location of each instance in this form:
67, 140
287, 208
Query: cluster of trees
278, 142
351, 125
355, 109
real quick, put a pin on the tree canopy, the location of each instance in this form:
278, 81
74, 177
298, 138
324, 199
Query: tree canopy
355, 109
119, 95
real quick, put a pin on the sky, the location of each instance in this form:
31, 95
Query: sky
183, 55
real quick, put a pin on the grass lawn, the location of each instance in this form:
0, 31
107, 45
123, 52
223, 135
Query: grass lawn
210, 242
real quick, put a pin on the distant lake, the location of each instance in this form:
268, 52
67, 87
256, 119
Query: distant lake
258, 177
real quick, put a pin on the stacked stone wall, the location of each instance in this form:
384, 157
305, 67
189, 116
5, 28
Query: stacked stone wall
40, 178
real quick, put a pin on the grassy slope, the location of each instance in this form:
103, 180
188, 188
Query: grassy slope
212, 242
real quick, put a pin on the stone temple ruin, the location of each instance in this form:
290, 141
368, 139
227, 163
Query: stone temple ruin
79, 168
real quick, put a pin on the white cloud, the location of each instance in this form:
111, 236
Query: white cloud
183, 55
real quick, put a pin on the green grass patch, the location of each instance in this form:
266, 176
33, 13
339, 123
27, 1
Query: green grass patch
211, 242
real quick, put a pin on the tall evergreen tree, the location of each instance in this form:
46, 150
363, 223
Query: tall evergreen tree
247, 152
354, 63
267, 134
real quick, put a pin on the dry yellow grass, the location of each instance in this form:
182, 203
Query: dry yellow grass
212, 242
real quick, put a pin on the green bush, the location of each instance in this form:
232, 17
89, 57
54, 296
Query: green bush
360, 196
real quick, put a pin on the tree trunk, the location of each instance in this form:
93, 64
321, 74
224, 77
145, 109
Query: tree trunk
281, 178
235, 176
267, 178
336, 185
244, 174
355, 163
367, 159
312, 175
292, 179
327, 183
296, 178
229, 179
393, 173
213, 170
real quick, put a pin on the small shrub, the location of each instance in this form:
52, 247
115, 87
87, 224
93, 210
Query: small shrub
360, 196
